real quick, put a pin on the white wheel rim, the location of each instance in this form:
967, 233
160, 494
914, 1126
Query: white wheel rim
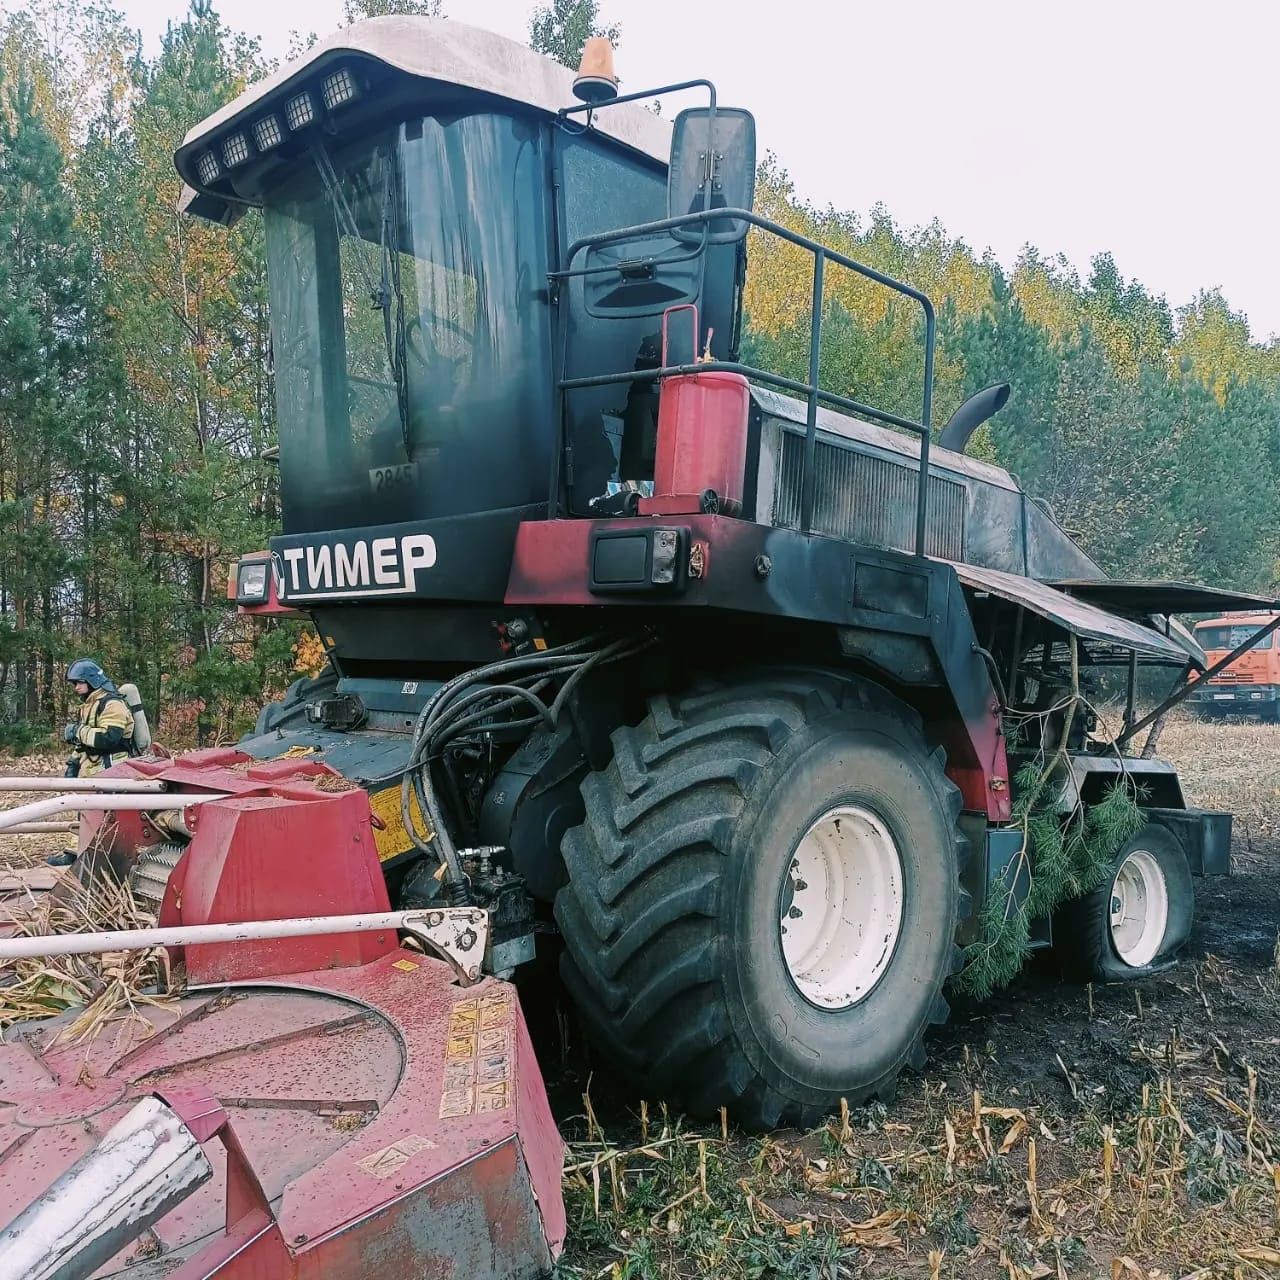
841, 907
1139, 909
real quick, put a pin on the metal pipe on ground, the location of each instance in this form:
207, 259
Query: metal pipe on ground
118, 786
458, 935
74, 944
42, 828
39, 809
146, 1163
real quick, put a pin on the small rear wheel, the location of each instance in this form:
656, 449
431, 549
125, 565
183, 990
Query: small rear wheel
1137, 919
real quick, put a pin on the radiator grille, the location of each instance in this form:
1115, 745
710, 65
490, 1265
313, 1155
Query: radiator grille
868, 499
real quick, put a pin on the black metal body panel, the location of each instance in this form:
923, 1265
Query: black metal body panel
1204, 834
977, 512
1162, 597
750, 571
409, 640
367, 756
470, 560
1158, 779
532, 802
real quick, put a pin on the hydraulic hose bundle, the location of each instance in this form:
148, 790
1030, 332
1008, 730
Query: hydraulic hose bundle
502, 700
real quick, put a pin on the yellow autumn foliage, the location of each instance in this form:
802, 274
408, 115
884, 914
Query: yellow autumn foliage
309, 654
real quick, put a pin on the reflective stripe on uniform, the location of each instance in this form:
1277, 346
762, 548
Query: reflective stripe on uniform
99, 713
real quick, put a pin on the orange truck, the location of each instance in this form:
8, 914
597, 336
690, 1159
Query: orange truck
1251, 684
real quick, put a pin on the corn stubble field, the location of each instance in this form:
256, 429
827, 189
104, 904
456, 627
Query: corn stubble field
1128, 1132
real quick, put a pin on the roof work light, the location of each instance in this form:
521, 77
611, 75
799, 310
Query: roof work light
339, 89
299, 111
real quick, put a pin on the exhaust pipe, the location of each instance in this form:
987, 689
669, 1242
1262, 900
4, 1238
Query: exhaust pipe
145, 1164
972, 414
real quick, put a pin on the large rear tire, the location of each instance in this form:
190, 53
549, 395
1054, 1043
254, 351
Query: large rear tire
763, 896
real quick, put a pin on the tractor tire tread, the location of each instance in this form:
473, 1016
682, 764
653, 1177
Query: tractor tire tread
639, 914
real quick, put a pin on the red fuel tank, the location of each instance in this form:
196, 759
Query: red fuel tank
702, 443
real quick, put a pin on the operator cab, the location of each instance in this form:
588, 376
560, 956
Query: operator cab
420, 189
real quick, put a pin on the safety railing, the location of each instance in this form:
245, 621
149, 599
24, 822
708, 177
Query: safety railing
810, 390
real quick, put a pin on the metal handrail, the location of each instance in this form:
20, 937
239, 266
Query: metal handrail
812, 392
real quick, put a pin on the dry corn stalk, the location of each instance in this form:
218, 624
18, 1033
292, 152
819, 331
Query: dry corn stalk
106, 986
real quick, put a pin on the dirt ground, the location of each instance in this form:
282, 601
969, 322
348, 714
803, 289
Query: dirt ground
28, 850
1129, 1132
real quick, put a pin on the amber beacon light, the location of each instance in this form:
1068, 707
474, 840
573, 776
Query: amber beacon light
596, 81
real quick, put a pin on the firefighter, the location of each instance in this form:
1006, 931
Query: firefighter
103, 733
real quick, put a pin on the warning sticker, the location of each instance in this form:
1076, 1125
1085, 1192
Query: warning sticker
460, 1047
493, 1097
495, 1011
465, 1016
457, 1102
390, 837
495, 1040
405, 966
382, 1164
478, 1056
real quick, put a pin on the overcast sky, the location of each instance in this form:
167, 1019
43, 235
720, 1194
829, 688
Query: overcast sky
1143, 127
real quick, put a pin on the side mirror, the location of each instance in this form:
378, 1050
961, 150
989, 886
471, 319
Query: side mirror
713, 166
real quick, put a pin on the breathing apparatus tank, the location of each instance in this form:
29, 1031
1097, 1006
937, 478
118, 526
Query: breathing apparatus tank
141, 729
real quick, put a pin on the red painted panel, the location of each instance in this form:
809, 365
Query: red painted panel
344, 1091
270, 857
289, 839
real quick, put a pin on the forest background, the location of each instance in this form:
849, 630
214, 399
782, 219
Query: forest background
136, 391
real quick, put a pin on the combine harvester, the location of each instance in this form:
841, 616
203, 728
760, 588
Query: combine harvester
699, 674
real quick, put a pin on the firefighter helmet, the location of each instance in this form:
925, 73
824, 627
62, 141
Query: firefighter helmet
87, 670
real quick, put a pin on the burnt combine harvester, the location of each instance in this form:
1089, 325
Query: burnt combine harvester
703, 675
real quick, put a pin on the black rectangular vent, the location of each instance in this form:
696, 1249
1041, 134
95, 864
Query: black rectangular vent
868, 499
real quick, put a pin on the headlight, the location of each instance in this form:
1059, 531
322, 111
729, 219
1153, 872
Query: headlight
339, 89
207, 169
251, 582
299, 112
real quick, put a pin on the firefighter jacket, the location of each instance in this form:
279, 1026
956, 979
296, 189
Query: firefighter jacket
105, 732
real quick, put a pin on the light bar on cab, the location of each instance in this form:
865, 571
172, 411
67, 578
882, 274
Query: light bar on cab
339, 89
267, 133
299, 111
